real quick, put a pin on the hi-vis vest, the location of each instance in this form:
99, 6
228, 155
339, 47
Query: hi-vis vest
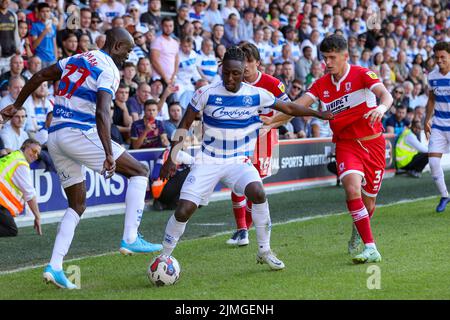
11, 197
404, 153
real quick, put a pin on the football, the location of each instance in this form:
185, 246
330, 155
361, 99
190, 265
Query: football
164, 271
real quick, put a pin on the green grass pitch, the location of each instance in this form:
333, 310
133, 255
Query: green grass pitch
412, 239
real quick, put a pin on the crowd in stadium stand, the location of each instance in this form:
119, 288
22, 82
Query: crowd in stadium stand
179, 50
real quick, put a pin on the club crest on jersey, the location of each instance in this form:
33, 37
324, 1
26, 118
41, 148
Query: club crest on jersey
348, 86
372, 75
247, 101
281, 87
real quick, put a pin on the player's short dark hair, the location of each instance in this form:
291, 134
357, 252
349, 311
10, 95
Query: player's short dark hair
401, 106
149, 102
234, 53
28, 143
251, 52
334, 43
442, 46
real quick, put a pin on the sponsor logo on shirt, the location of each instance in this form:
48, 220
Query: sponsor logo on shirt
339, 105
232, 114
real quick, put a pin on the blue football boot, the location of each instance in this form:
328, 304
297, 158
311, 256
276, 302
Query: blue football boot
58, 278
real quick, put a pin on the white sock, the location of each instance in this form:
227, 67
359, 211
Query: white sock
174, 231
64, 236
263, 225
370, 245
438, 175
134, 207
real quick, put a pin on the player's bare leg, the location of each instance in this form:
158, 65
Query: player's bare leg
254, 191
76, 196
352, 185
137, 174
177, 224
437, 174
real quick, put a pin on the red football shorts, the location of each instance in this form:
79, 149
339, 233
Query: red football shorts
262, 158
367, 158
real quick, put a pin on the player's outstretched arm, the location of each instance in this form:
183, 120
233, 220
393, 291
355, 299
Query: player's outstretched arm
301, 108
386, 100
281, 118
103, 121
169, 167
429, 113
51, 73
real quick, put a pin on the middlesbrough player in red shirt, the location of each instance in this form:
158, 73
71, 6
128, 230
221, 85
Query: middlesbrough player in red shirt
263, 151
350, 93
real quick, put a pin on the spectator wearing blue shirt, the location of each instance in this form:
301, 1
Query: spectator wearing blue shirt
43, 33
397, 122
212, 16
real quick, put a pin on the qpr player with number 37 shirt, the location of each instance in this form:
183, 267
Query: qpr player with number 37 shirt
80, 137
350, 93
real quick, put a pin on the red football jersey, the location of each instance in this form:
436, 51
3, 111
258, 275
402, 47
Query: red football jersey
348, 100
264, 144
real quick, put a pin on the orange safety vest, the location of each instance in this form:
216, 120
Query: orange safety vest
158, 184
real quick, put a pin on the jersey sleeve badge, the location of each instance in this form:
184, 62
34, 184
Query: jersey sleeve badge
281, 87
372, 75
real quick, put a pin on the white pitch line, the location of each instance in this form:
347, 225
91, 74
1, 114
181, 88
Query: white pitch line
222, 233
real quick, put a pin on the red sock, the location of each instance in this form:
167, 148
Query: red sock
248, 214
239, 210
361, 219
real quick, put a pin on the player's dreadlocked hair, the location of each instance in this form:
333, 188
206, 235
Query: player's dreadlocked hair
234, 53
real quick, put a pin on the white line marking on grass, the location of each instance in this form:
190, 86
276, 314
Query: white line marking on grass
222, 233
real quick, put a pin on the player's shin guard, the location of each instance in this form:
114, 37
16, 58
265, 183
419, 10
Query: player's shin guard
361, 219
174, 231
248, 214
263, 225
438, 175
134, 207
64, 238
239, 210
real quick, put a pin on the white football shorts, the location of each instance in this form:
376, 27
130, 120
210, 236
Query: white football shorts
72, 150
439, 141
200, 183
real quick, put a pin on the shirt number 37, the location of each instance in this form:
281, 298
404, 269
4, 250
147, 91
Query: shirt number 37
66, 87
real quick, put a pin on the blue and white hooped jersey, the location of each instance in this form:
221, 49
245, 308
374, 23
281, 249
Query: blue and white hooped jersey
440, 85
83, 75
208, 64
230, 120
187, 68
